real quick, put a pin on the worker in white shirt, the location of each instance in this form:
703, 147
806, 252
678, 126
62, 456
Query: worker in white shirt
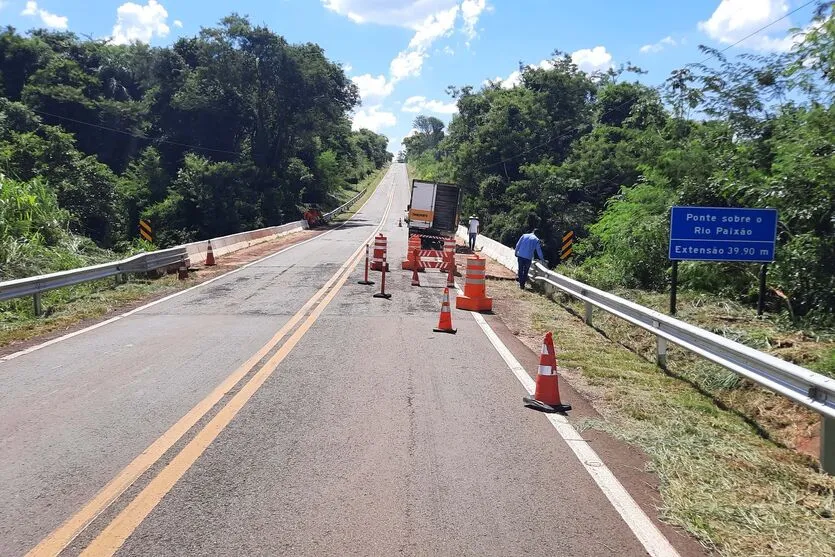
473, 230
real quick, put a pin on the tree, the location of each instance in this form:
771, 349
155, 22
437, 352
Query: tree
220, 132
429, 131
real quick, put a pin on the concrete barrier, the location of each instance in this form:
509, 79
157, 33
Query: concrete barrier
491, 248
234, 242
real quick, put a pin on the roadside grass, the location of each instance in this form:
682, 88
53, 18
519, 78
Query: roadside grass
779, 419
770, 333
370, 183
66, 307
720, 479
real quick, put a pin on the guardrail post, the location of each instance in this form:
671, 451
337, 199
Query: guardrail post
828, 445
589, 308
38, 306
660, 348
661, 351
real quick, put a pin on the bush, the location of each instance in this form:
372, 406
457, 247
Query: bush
632, 237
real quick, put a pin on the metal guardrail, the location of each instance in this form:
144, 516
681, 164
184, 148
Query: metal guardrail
805, 387
328, 216
141, 263
36, 286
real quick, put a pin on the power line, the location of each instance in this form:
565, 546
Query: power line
763, 28
132, 134
621, 105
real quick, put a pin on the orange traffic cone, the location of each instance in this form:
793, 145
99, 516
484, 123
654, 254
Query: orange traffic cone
210, 256
445, 322
546, 398
415, 276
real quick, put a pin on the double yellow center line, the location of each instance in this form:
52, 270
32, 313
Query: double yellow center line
111, 538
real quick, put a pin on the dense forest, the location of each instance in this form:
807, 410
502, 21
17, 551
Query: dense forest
231, 130
608, 157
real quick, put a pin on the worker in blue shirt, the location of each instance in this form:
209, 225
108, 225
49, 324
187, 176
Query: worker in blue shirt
527, 245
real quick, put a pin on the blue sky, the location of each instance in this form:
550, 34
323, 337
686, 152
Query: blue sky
403, 53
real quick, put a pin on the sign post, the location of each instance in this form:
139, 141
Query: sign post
722, 234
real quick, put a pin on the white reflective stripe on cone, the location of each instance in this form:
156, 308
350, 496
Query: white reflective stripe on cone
545, 370
474, 281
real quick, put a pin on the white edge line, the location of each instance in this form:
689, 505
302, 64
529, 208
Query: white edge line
655, 543
179, 293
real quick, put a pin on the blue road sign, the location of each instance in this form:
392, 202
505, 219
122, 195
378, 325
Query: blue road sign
722, 234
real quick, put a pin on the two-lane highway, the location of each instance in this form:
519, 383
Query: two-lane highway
283, 410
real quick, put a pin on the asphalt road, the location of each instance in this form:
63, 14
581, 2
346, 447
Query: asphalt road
358, 431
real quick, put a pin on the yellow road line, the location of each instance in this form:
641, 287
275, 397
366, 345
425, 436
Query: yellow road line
60, 538
114, 535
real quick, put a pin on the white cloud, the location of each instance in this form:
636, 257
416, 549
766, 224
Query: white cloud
374, 119
347, 68
135, 22
49, 19
431, 20
592, 59
409, 62
373, 88
406, 64
178, 24
53, 21
587, 59
659, 46
400, 13
471, 10
433, 28
422, 104
735, 19
448, 51
509, 82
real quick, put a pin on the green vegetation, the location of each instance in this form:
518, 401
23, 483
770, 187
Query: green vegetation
67, 307
737, 492
607, 158
369, 184
230, 130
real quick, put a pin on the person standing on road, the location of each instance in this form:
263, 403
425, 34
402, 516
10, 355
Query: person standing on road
473, 230
527, 245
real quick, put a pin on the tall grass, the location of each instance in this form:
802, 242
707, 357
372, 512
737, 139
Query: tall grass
34, 232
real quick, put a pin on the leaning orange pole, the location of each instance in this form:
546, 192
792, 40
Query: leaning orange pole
416, 259
382, 292
366, 281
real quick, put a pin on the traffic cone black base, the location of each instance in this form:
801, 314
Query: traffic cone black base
450, 331
546, 397
381, 295
534, 404
365, 282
